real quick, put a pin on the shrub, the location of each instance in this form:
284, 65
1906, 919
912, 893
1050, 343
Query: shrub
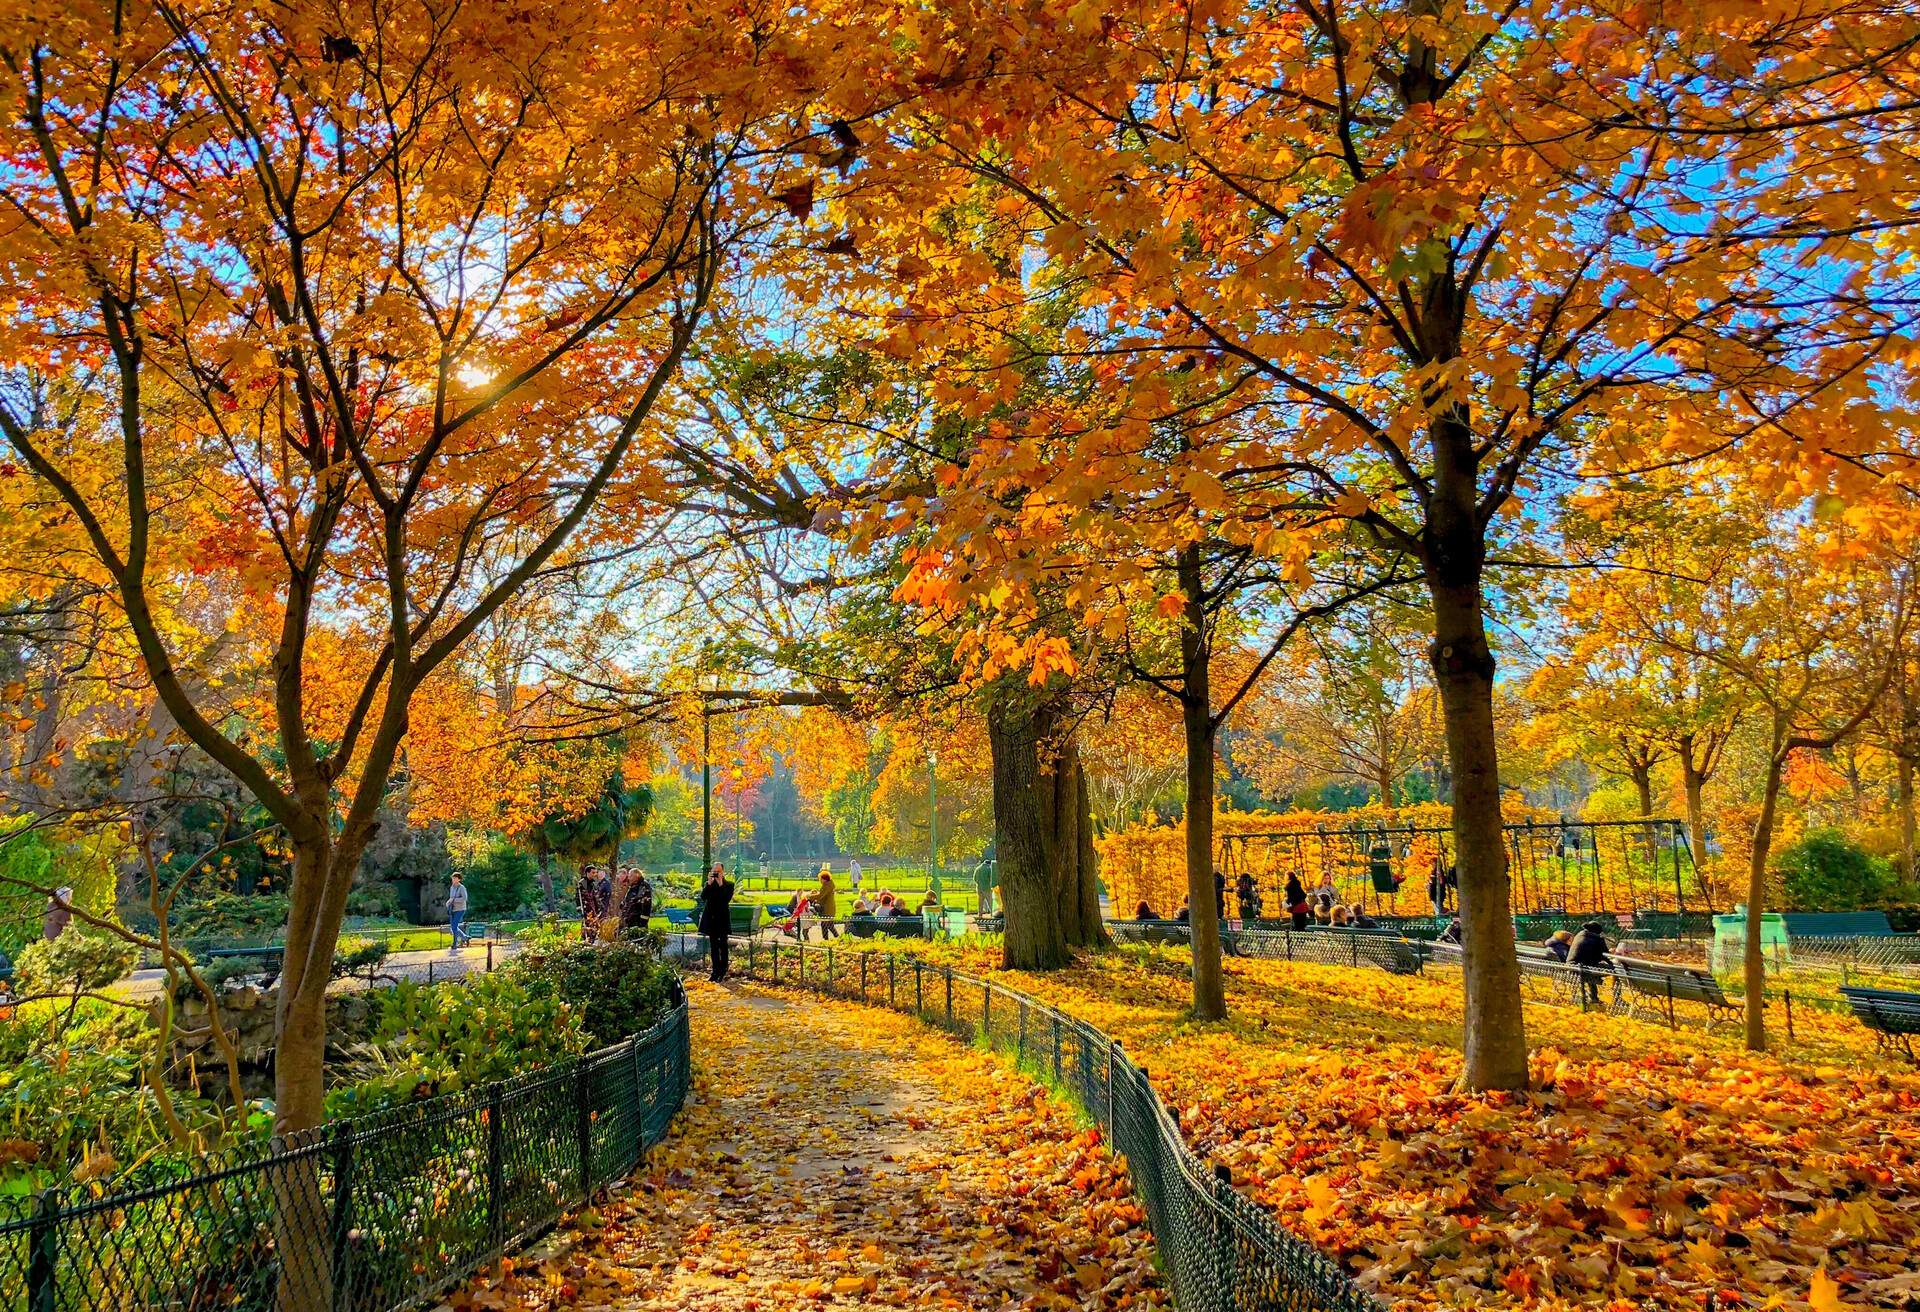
70, 1092
500, 878
79, 961
231, 917
1825, 871
440, 1039
618, 988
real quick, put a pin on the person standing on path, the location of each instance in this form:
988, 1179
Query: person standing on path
59, 914
716, 918
983, 885
826, 904
853, 874
457, 912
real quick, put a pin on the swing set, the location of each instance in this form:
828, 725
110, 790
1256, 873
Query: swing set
1577, 868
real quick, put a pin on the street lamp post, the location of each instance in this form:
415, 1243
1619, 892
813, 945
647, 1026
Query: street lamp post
933, 818
706, 787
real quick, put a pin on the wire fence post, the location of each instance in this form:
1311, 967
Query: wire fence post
583, 1122
1789, 997
43, 1252
1223, 1250
890, 980
1113, 1070
341, 1225
863, 977
496, 1171
1056, 1047
829, 967
919, 1003
639, 1102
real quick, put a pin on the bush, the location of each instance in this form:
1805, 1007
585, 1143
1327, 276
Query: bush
79, 961
231, 917
618, 988
74, 1092
430, 1040
1825, 871
500, 879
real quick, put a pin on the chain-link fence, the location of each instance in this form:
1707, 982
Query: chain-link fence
366, 1215
1221, 1251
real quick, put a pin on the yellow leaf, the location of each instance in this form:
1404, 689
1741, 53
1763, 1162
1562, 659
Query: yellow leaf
1824, 1295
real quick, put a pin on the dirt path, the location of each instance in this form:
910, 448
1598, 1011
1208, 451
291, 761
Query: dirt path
838, 1155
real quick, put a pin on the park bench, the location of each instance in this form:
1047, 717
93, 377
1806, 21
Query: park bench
1149, 931
1673, 924
897, 927
1892, 1014
1660, 984
1836, 924
745, 917
1334, 945
270, 959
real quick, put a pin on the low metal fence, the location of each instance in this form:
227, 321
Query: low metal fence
1221, 1251
1676, 993
368, 1215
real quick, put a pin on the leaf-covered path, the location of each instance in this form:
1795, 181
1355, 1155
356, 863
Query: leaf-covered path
839, 1155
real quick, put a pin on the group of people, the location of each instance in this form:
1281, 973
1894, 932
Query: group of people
821, 903
613, 901
1587, 949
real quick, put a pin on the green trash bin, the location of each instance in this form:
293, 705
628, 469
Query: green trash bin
956, 924
1730, 940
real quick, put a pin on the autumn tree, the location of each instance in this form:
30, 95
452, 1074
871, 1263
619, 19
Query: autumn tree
1778, 599
1448, 245
413, 282
1349, 703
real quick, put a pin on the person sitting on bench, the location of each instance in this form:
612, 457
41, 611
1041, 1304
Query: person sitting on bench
1357, 917
1589, 952
1558, 944
1249, 897
1145, 911
1296, 902
1185, 913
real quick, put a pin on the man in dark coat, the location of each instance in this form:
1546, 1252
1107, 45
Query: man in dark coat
716, 918
1589, 952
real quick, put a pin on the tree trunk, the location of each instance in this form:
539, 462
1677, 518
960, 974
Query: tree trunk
1033, 939
1094, 930
548, 901
1904, 796
1496, 1040
322, 877
1196, 714
1642, 772
1754, 962
1693, 780
1059, 780
1070, 838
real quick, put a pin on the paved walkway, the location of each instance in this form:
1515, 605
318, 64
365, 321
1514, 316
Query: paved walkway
839, 1155
423, 965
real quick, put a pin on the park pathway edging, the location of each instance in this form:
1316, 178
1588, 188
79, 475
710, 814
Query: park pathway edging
1222, 1252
